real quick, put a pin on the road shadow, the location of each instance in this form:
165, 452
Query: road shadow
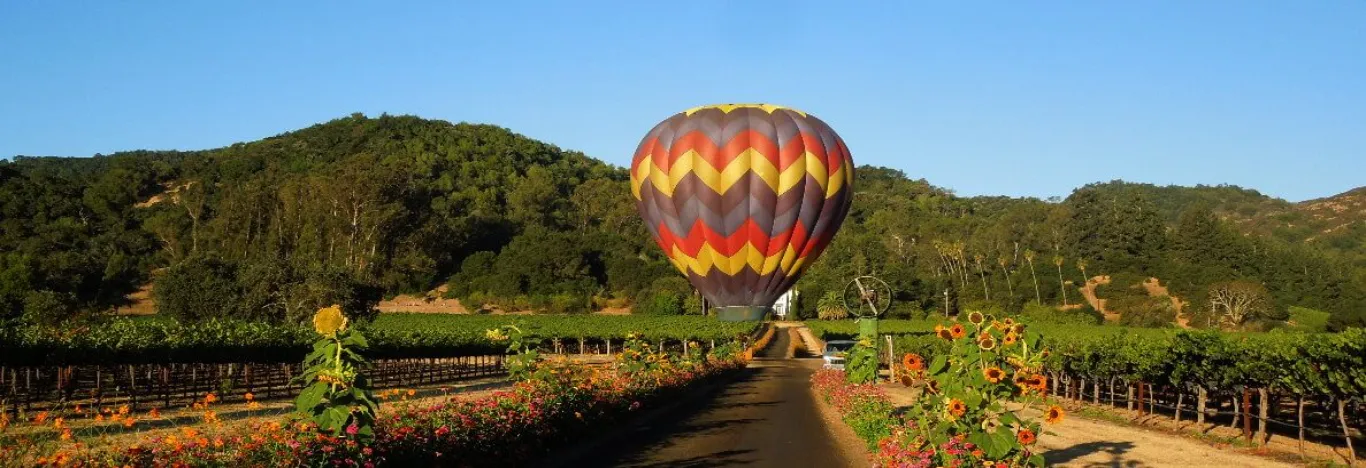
722, 458
642, 438
1116, 450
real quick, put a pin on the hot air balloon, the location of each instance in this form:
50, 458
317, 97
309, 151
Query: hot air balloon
742, 198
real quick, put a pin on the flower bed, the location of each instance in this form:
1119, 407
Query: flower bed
962, 415
558, 403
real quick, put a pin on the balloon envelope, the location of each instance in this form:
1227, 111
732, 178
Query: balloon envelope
742, 197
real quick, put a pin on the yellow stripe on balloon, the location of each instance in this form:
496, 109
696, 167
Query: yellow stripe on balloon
836, 181
749, 161
726, 108
748, 256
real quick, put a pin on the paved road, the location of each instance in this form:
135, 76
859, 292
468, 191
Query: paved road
765, 418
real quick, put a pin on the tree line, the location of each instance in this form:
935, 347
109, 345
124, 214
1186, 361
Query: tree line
358, 208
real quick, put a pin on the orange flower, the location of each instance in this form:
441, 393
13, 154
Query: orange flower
977, 453
1055, 414
99, 418
1010, 339
128, 422
210, 398
958, 331
210, 416
58, 423
154, 413
994, 374
40, 418
1040, 383
123, 410
913, 361
1026, 437
412, 392
66, 434
945, 333
957, 408
249, 396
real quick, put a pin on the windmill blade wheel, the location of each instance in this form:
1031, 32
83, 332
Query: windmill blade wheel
867, 296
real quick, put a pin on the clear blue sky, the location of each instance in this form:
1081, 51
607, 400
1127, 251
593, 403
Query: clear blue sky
1013, 98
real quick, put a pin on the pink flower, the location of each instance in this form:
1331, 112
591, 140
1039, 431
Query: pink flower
352, 429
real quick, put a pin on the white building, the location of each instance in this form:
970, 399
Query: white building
785, 303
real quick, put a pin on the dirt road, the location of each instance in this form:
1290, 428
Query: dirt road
767, 417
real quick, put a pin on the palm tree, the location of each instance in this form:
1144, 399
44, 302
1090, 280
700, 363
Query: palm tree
982, 273
1081, 265
1002, 261
1057, 261
1029, 258
831, 306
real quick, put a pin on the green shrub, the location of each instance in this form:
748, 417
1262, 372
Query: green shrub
692, 305
1049, 314
198, 288
661, 303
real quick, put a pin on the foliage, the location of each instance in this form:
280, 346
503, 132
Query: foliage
361, 207
561, 404
522, 353
661, 303
1306, 319
337, 396
153, 340
1047, 314
966, 393
863, 406
861, 362
1215, 360
831, 306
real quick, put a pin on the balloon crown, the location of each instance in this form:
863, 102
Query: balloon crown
726, 108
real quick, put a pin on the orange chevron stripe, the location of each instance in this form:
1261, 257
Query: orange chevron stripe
700, 235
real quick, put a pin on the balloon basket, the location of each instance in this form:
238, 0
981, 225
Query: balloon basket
741, 313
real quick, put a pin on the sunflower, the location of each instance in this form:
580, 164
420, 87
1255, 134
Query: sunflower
944, 333
976, 317
994, 374
1055, 414
1010, 339
957, 408
329, 320
1018, 329
987, 343
1026, 437
1039, 382
1009, 321
913, 361
957, 331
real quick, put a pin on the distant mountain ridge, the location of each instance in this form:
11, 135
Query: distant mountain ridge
1337, 223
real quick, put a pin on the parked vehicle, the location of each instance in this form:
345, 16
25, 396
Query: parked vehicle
834, 353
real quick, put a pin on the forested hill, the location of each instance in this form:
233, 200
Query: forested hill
1337, 224
356, 208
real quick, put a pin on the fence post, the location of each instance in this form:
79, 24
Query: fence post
1346, 434
1247, 414
1299, 415
1262, 395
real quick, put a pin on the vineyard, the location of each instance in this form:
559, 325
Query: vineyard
1306, 385
153, 362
